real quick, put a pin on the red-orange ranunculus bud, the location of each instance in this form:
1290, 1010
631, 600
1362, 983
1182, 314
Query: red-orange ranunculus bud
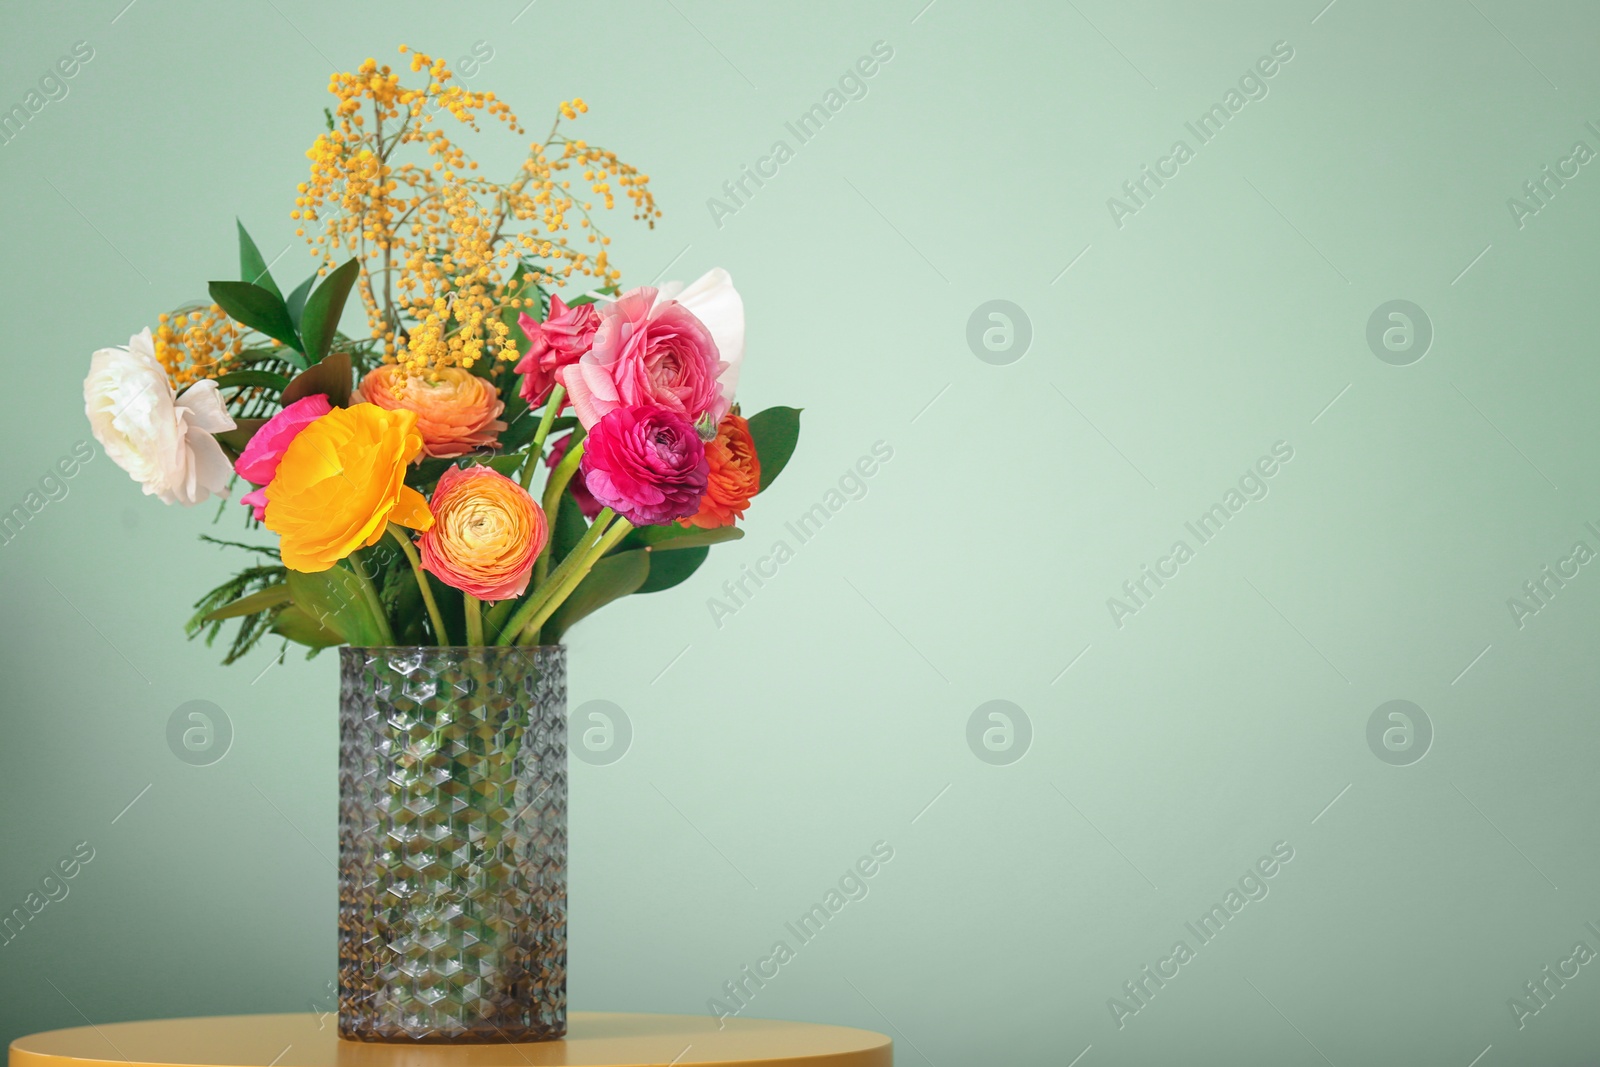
735, 475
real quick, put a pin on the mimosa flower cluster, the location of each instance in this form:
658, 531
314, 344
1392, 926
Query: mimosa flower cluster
476, 378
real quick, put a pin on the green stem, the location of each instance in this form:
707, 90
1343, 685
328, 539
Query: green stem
554, 487
474, 620
559, 479
619, 529
410, 550
544, 589
371, 593
536, 450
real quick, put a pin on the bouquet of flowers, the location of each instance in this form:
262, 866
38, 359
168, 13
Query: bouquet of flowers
398, 468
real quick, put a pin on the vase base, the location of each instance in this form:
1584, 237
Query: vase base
516, 1035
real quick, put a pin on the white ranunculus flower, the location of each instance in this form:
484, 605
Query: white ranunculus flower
713, 300
163, 440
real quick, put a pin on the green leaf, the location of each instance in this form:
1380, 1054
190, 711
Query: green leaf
613, 577
589, 298
519, 431
319, 322
569, 529
246, 378
297, 300
252, 268
516, 407
304, 629
522, 431
331, 376
334, 600
237, 438
668, 569
249, 605
273, 354
775, 431
252, 627
662, 538
258, 308
425, 475
510, 466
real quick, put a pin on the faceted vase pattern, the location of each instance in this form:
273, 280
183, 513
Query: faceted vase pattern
453, 844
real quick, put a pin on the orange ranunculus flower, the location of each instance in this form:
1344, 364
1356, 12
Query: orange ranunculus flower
487, 532
735, 475
341, 482
457, 411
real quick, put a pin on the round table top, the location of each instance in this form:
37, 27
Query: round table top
595, 1039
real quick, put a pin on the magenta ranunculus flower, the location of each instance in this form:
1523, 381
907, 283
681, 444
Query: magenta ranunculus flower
565, 335
258, 463
646, 463
646, 352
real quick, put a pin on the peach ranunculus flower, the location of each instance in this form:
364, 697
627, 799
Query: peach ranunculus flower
341, 482
735, 475
486, 535
457, 411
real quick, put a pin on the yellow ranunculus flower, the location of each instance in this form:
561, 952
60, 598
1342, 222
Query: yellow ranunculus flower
341, 482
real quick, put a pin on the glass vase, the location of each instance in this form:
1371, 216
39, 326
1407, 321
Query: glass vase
453, 844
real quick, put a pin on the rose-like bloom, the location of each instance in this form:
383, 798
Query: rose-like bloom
341, 482
487, 531
645, 463
456, 413
565, 334
713, 300
646, 352
259, 460
587, 504
163, 440
735, 475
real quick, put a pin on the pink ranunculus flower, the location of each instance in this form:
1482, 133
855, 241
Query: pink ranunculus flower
713, 300
587, 504
258, 463
646, 352
646, 463
562, 338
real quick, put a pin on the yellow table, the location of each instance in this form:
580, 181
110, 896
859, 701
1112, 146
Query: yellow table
596, 1039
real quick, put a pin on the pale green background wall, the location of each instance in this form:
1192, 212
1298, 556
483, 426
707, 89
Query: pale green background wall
770, 753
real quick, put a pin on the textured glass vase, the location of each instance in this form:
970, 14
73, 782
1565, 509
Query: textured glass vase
453, 844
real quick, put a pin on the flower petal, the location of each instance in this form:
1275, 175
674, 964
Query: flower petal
203, 401
411, 509
715, 302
